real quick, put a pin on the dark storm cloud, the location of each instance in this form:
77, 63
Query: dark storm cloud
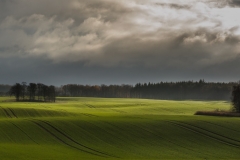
224, 3
235, 3
201, 48
79, 10
105, 41
174, 5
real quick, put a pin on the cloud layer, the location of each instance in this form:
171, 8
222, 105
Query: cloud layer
166, 36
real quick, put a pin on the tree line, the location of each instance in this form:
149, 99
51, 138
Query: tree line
184, 90
33, 92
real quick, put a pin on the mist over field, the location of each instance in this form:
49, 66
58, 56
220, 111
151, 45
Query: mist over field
114, 42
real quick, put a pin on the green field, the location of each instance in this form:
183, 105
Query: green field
98, 128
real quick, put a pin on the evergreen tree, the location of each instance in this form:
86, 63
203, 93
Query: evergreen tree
236, 98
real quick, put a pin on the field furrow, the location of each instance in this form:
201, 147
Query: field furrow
24, 133
113, 140
216, 137
211, 130
111, 128
72, 140
213, 133
12, 112
88, 115
88, 105
222, 126
6, 112
62, 141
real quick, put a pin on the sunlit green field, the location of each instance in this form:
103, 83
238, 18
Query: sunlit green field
97, 128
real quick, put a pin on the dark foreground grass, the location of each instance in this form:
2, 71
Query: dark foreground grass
95, 128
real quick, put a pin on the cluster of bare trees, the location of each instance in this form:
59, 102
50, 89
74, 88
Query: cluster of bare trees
33, 92
199, 90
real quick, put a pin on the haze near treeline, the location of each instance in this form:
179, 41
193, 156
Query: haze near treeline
114, 42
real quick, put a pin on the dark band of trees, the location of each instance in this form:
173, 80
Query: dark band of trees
185, 90
33, 92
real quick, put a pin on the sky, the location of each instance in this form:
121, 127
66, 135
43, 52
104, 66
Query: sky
119, 42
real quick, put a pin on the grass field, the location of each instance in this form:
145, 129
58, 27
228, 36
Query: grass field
97, 128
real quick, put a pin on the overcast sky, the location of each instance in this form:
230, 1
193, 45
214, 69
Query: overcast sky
119, 42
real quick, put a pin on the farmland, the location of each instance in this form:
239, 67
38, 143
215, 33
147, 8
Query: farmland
100, 128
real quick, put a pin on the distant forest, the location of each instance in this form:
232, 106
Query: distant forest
185, 90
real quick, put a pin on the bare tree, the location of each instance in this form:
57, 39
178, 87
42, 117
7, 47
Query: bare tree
32, 88
16, 90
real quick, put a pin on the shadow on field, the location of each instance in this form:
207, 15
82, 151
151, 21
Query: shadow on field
217, 113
